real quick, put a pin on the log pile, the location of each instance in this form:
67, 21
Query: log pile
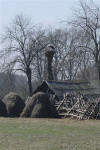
79, 107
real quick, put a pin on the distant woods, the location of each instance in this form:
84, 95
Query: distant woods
77, 48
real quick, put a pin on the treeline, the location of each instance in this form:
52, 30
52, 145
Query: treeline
77, 47
12, 82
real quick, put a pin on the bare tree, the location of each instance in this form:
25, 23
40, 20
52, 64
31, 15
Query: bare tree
22, 43
66, 59
87, 21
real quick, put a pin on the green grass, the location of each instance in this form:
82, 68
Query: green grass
49, 134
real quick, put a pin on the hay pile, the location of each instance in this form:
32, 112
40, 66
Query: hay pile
14, 104
39, 106
3, 111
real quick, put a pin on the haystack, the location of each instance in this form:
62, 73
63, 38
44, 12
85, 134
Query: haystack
3, 111
14, 104
39, 106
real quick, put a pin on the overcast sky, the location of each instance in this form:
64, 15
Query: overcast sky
46, 12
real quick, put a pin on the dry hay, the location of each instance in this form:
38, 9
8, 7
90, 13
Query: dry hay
3, 111
39, 106
14, 104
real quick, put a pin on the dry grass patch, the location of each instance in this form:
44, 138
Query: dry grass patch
49, 134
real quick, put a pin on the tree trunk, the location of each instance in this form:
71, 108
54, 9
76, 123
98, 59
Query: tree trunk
97, 62
99, 74
29, 81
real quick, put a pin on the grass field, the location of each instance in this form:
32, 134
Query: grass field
49, 134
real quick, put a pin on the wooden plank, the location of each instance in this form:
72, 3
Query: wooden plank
61, 103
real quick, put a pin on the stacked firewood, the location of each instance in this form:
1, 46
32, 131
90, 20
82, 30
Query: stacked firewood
79, 106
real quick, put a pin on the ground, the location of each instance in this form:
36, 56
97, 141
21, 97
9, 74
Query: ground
49, 134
